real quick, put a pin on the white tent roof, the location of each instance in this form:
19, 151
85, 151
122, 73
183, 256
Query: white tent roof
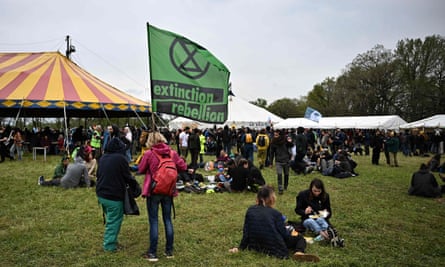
387, 122
241, 113
296, 122
436, 121
181, 123
354, 122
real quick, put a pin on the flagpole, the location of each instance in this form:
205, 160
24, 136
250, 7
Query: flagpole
149, 69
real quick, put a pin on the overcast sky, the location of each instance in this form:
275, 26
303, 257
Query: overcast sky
273, 48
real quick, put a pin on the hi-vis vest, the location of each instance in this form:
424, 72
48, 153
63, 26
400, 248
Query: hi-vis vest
95, 142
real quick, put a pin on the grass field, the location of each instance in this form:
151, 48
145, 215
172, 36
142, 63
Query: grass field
382, 225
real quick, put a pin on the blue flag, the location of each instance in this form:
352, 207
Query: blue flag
312, 114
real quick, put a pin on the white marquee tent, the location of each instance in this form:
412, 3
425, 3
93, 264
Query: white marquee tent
241, 113
436, 121
296, 122
386, 122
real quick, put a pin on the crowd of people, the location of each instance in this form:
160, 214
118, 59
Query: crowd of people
104, 157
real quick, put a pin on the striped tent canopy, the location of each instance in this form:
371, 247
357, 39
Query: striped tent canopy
48, 84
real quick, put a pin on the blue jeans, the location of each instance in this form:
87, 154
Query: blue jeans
317, 225
152, 208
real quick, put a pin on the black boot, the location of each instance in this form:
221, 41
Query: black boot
280, 184
286, 181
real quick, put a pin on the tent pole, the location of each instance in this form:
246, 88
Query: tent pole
106, 115
16, 119
161, 120
66, 141
155, 128
137, 115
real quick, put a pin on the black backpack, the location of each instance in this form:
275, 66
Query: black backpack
261, 140
334, 239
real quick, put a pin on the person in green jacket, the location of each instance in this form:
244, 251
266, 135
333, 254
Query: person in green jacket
393, 147
59, 172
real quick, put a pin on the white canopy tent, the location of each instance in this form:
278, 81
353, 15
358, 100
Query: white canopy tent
241, 113
436, 121
181, 123
386, 122
296, 122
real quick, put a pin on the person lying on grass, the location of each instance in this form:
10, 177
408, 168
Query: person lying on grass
264, 231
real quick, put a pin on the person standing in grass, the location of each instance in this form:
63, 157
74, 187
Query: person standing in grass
262, 143
377, 145
113, 174
279, 151
311, 204
264, 230
149, 165
393, 147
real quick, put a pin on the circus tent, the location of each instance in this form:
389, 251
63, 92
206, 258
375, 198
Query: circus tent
48, 84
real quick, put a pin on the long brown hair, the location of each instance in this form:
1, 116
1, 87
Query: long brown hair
317, 183
266, 196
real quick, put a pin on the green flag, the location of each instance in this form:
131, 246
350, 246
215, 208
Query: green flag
186, 79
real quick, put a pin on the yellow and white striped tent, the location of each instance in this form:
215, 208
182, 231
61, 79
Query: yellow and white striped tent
48, 84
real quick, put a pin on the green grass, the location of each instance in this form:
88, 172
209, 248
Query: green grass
382, 225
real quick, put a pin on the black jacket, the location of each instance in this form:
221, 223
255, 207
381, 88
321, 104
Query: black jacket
424, 184
317, 204
264, 231
113, 172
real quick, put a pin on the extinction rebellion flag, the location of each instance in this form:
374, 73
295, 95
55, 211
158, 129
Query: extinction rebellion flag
186, 79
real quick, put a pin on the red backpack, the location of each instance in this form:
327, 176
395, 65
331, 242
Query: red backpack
164, 179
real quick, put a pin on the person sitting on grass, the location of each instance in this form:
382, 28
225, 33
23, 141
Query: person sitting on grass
76, 174
310, 203
59, 172
434, 164
237, 175
91, 163
264, 230
424, 184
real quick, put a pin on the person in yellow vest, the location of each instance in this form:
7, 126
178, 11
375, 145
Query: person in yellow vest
202, 142
262, 143
96, 140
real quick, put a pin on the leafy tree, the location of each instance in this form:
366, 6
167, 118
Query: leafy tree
422, 75
320, 98
369, 86
261, 102
285, 108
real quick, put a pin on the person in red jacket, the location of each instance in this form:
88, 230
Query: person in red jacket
157, 143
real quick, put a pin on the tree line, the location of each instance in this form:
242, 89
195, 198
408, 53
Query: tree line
408, 81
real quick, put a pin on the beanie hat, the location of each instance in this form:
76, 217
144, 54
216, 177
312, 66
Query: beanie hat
115, 145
